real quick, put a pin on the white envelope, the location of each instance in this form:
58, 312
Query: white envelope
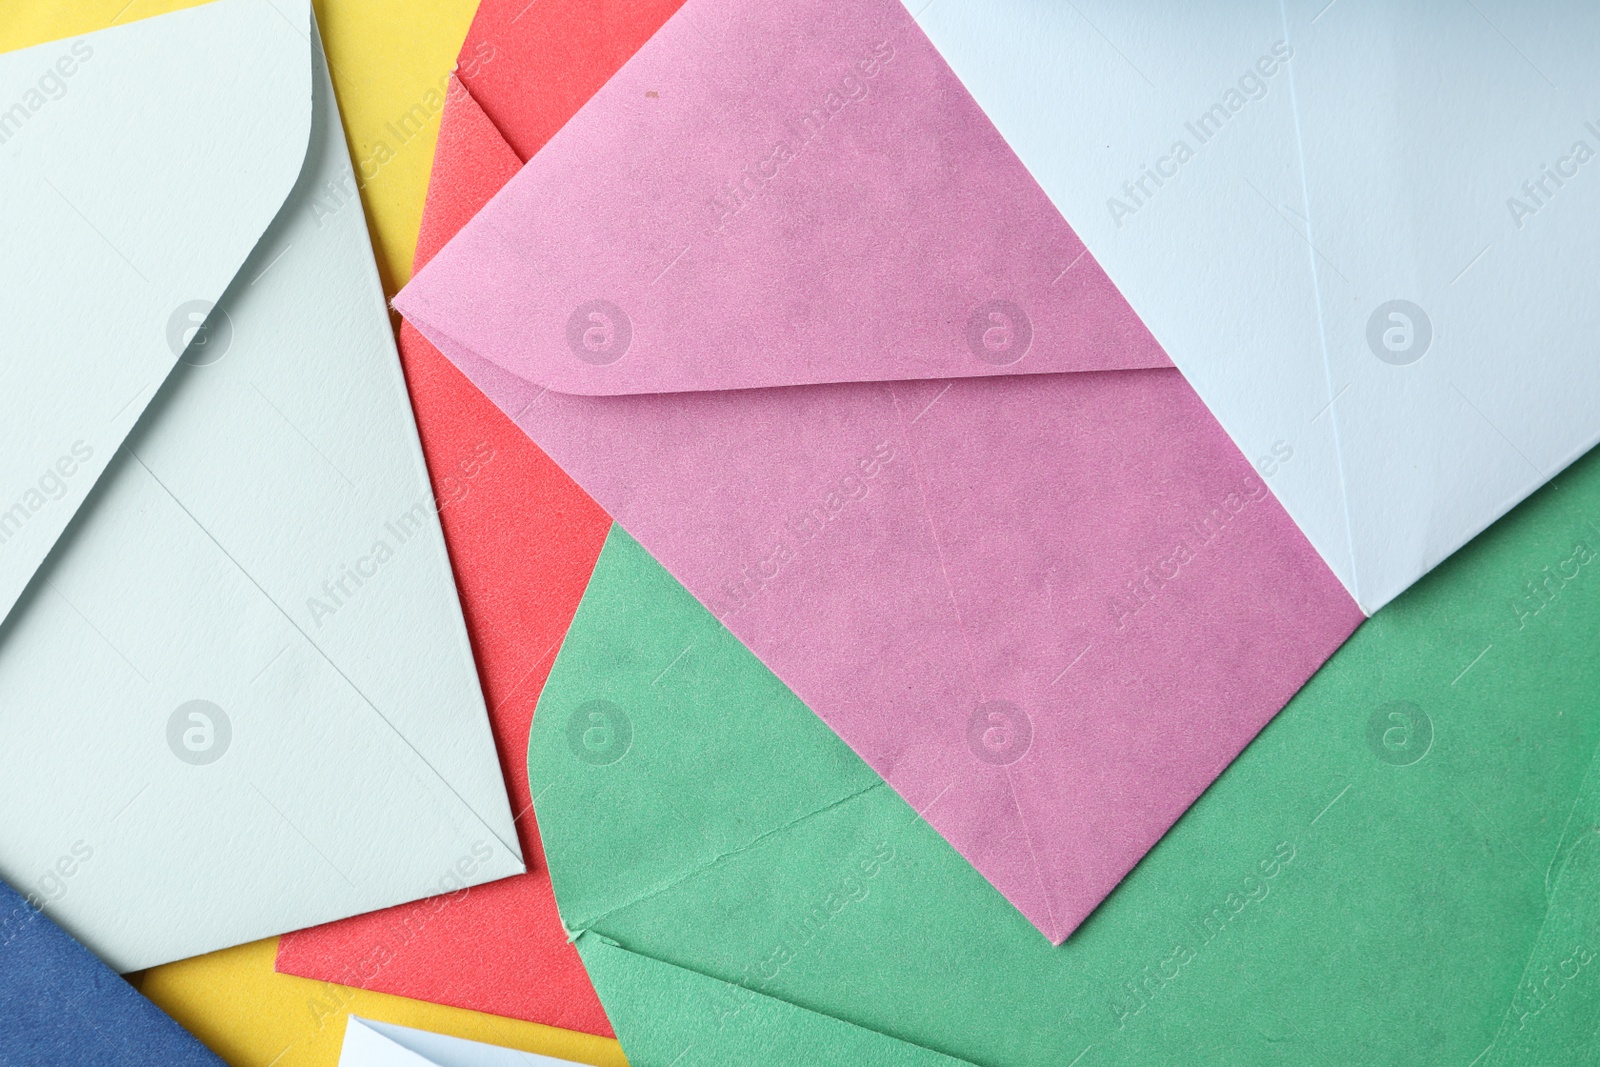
236, 692
1366, 232
374, 1044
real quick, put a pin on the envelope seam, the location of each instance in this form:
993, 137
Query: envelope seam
586, 925
617, 946
1044, 887
1322, 328
938, 547
972, 663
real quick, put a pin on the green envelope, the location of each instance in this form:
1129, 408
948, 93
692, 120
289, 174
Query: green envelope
1402, 869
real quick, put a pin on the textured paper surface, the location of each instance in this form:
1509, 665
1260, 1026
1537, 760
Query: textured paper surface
61, 1005
522, 536
1364, 233
1047, 608
1399, 869
259, 590
522, 539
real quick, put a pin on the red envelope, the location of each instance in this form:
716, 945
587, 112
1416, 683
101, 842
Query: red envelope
523, 537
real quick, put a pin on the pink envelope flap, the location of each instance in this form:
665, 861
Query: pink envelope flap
776, 195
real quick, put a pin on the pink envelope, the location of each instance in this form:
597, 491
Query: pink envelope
783, 301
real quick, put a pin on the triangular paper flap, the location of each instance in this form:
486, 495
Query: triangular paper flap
471, 161
335, 521
775, 196
1414, 795
1109, 724
667, 1016
139, 166
608, 754
365, 1046
243, 766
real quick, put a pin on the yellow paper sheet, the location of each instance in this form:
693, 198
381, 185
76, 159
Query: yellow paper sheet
388, 57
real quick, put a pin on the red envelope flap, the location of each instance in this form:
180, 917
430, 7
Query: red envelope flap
768, 196
471, 163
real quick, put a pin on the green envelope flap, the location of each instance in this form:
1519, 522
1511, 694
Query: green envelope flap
673, 1017
1376, 880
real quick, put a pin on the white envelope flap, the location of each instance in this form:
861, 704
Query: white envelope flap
139, 166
